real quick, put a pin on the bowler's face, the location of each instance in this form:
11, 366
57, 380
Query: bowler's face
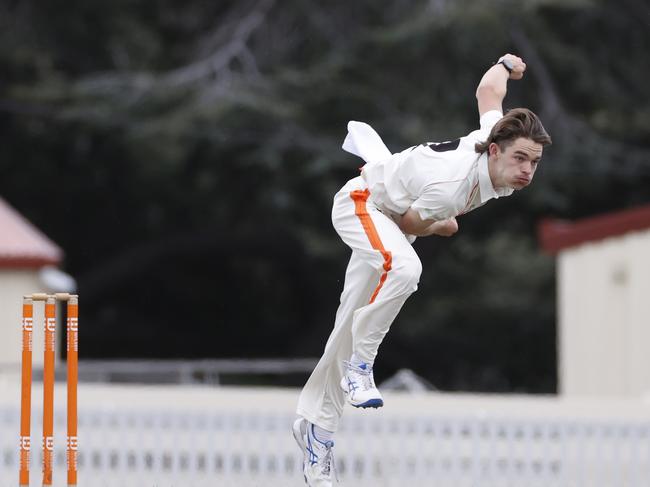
516, 165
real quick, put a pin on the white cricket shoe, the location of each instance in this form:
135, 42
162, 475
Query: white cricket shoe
359, 386
318, 461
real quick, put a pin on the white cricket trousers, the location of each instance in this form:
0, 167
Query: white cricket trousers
383, 272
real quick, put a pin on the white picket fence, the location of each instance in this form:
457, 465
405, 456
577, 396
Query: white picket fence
141, 436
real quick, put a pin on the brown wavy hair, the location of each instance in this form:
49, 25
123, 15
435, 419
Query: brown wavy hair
518, 122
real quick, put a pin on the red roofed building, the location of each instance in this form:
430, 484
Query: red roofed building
603, 290
28, 264
22, 245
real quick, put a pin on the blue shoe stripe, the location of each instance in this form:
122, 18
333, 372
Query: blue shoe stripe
326, 444
352, 386
313, 458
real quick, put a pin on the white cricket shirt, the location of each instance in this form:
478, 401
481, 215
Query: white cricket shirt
438, 180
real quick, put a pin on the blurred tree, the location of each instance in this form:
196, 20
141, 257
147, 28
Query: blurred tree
185, 156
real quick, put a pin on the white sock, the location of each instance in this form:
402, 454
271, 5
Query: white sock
355, 360
322, 434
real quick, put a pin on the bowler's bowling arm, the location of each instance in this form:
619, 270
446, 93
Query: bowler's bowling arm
412, 224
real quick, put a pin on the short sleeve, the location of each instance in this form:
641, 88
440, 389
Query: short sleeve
489, 119
435, 202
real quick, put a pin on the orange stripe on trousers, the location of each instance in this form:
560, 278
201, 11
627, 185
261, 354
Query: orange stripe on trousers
360, 197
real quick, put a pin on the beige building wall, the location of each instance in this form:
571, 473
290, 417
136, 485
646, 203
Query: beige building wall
604, 317
13, 285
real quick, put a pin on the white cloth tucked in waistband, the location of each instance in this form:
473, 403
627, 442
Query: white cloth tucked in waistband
363, 141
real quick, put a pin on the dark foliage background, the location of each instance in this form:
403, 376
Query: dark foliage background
185, 154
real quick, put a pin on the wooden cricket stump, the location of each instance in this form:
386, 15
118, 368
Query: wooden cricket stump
72, 348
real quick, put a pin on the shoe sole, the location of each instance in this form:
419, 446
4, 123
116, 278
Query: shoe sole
370, 403
297, 435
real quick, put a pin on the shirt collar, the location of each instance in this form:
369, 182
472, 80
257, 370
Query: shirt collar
485, 183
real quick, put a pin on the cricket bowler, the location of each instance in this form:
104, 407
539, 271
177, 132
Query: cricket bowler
418, 192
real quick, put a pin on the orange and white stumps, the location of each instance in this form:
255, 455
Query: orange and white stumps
26, 391
48, 389
48, 385
72, 358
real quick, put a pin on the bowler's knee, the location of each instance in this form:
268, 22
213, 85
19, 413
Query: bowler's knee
407, 268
